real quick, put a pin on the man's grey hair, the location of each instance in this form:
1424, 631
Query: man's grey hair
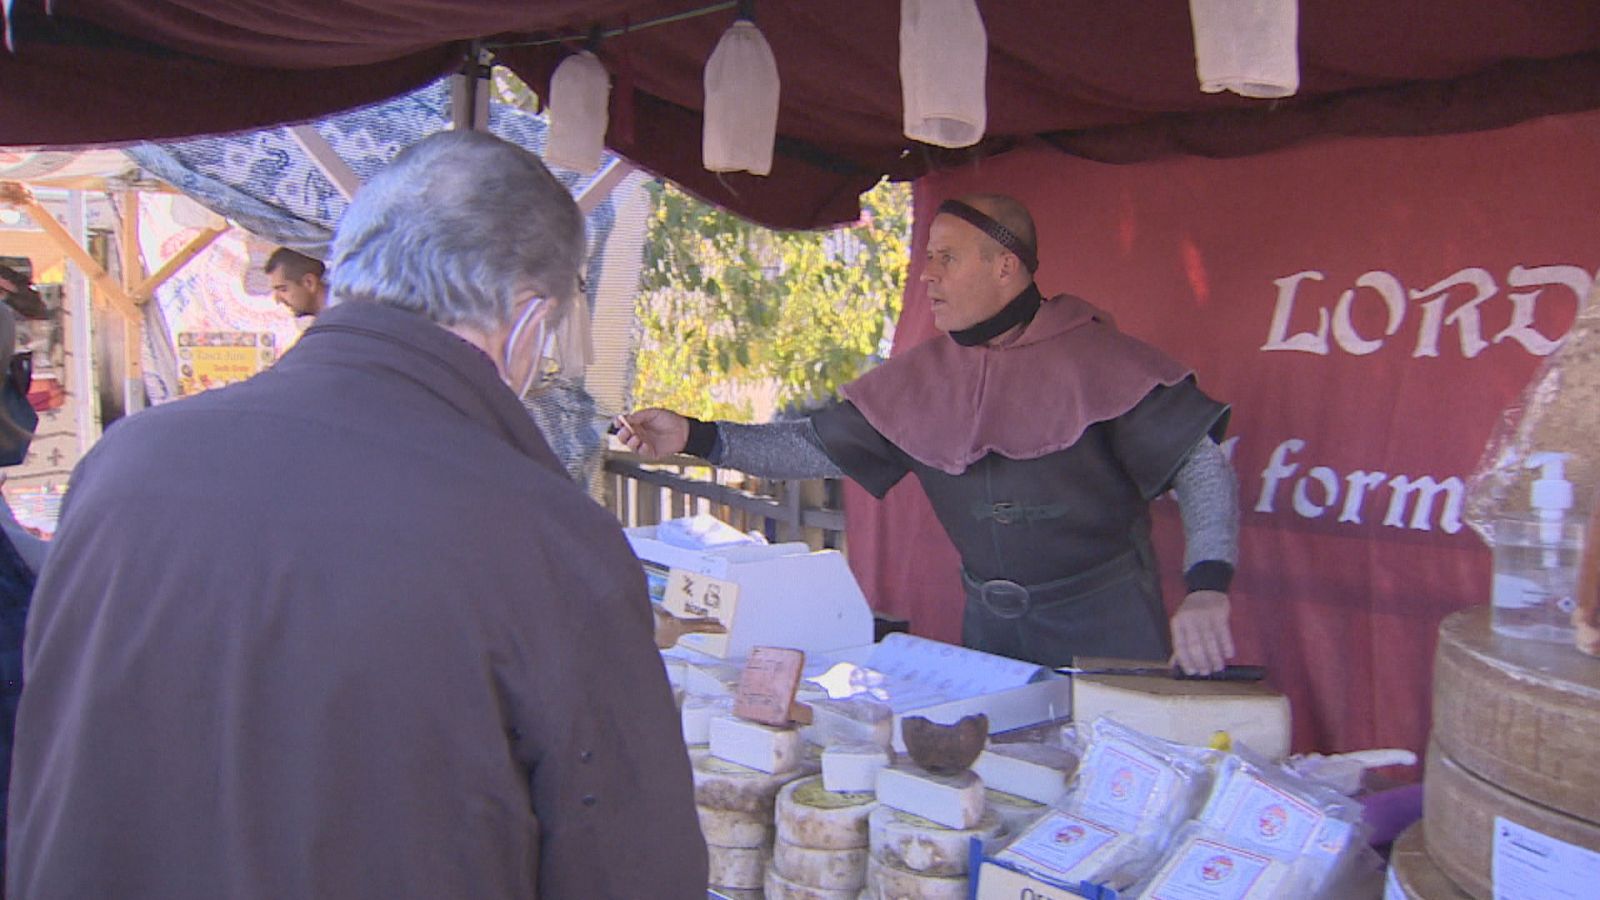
459, 227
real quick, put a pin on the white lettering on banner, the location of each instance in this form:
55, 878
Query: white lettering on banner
1319, 491
1531, 284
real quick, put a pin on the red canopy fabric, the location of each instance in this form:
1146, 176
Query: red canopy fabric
1111, 81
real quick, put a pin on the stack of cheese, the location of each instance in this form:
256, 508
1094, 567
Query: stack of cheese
736, 786
921, 832
1412, 873
1022, 780
1516, 738
821, 849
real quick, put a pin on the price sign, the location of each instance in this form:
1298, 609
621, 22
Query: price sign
691, 595
766, 687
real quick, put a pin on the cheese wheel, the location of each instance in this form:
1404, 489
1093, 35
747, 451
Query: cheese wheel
1460, 809
1524, 715
719, 784
1186, 711
917, 845
738, 867
893, 883
1413, 875
838, 870
725, 828
1015, 813
781, 888
811, 816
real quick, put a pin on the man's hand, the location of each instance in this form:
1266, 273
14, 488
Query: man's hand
653, 433
1201, 641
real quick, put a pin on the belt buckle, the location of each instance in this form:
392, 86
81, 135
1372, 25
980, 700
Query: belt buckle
1005, 599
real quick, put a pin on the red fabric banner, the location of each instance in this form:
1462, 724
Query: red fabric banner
1369, 307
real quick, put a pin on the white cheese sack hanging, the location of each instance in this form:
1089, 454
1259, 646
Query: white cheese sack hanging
741, 108
580, 90
809, 815
944, 65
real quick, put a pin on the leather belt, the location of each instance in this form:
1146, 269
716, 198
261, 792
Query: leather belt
1007, 599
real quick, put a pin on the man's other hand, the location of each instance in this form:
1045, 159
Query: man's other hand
1201, 640
653, 433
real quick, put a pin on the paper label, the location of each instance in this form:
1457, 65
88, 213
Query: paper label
1060, 842
691, 595
1121, 786
1208, 870
767, 685
1271, 820
919, 672
1529, 865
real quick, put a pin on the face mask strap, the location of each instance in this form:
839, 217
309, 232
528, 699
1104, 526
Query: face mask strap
543, 337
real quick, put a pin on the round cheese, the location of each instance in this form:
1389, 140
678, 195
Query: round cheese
1015, 813
831, 869
1412, 873
1460, 810
725, 828
1524, 715
917, 845
893, 883
811, 816
719, 784
738, 867
781, 888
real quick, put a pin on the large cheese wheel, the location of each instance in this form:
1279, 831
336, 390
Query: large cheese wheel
839, 870
738, 867
1413, 874
1186, 711
893, 883
811, 816
1460, 809
917, 845
1524, 715
726, 828
719, 784
781, 888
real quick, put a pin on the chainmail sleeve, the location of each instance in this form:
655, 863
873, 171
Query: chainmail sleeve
775, 450
1208, 502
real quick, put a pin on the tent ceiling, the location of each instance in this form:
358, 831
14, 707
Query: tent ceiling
1112, 81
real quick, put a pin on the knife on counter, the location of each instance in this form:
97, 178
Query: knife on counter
1228, 673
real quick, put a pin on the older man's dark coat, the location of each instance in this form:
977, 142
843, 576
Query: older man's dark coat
345, 630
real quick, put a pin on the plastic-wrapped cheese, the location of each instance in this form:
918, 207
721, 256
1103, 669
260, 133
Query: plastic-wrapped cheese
810, 816
918, 845
725, 828
719, 784
1199, 864
893, 883
839, 870
781, 888
738, 867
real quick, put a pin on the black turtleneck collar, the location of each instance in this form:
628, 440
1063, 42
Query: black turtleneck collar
1019, 311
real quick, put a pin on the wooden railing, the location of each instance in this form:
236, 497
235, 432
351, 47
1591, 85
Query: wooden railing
641, 492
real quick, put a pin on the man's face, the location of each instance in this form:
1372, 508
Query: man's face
963, 286
303, 295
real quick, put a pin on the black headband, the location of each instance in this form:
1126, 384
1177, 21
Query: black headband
1001, 235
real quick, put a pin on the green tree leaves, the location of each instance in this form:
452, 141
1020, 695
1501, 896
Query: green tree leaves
727, 307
